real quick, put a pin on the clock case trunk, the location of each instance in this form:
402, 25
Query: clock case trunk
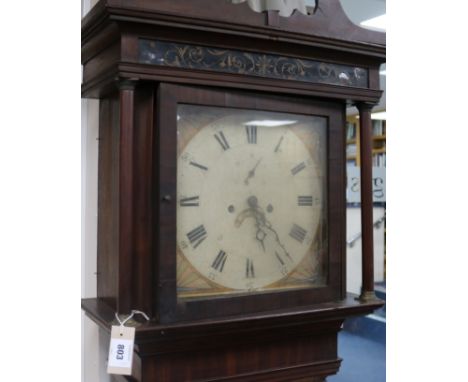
281, 338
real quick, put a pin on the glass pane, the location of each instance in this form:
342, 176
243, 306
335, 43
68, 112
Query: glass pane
251, 201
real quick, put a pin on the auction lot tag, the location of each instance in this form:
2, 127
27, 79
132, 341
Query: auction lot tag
121, 350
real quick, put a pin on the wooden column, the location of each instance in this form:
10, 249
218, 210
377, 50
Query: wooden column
367, 222
126, 195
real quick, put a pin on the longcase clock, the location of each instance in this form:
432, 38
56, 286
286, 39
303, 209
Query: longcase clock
222, 184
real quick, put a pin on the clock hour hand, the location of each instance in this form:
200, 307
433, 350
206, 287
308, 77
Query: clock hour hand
251, 173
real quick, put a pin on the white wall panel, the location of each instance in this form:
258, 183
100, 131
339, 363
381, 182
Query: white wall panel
354, 253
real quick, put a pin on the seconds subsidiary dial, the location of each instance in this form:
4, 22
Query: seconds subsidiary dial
249, 198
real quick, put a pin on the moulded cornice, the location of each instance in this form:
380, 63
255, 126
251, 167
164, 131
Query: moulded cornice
328, 27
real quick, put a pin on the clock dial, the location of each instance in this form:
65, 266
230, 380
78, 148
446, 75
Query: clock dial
249, 187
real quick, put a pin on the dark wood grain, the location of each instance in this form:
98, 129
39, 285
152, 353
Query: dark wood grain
104, 315
100, 86
108, 196
126, 196
344, 216
102, 62
144, 161
367, 220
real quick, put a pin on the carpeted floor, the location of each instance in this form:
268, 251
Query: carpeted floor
363, 359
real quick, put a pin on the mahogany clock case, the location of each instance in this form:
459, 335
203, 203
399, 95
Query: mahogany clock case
269, 336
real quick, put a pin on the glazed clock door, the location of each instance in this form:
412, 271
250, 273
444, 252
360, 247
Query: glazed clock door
251, 203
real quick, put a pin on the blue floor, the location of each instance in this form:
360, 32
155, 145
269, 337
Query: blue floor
361, 345
363, 359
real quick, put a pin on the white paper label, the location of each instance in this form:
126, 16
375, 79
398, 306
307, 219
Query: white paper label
121, 350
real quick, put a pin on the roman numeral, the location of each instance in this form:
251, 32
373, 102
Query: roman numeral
251, 134
279, 258
299, 167
279, 144
190, 202
249, 269
298, 233
199, 166
218, 263
304, 200
222, 140
197, 235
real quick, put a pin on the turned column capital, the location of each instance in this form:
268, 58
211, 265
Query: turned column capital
126, 84
365, 106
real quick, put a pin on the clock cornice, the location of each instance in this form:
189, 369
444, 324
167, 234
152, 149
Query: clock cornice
327, 28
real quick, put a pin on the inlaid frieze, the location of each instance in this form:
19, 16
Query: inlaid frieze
186, 56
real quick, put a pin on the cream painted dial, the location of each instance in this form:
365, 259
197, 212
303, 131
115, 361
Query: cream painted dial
249, 202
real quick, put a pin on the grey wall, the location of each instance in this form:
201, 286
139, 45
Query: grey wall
359, 10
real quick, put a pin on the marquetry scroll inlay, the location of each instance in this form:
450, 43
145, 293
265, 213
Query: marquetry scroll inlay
184, 56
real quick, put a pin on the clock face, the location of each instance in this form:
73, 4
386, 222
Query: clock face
251, 200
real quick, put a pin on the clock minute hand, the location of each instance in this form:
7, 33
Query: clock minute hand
251, 213
260, 236
251, 173
255, 211
262, 222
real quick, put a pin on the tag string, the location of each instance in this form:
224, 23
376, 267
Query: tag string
122, 323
